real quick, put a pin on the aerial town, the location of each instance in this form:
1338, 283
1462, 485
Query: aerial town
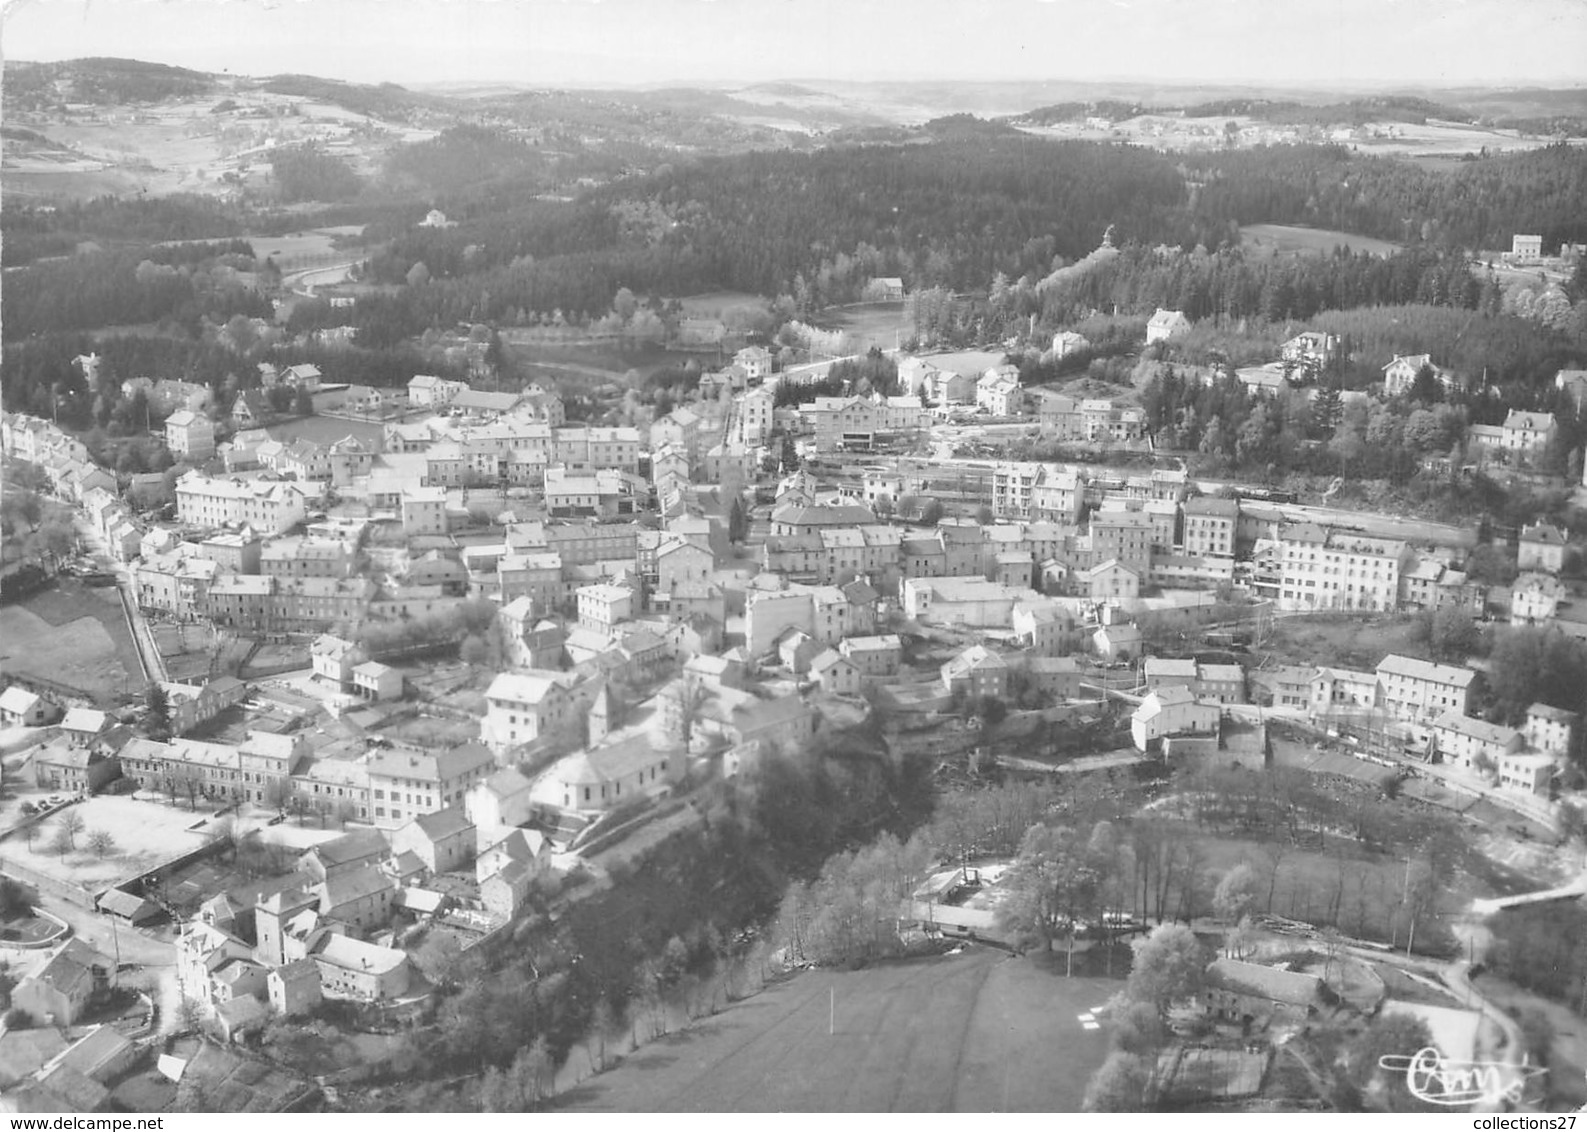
509, 597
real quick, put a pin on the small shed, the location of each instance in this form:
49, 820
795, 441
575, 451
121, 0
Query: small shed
240, 1017
128, 906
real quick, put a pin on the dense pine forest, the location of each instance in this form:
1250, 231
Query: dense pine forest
975, 210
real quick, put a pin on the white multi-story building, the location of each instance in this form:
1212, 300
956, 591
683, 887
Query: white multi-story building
1013, 489
425, 390
523, 707
269, 508
602, 606
190, 435
424, 511
1551, 730
1419, 691
755, 361
587, 448
405, 784
1210, 526
1527, 434
754, 420
1058, 496
1320, 569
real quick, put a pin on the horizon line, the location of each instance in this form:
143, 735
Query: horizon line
1343, 85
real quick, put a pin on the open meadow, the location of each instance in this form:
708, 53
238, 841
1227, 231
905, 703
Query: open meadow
713, 303
1283, 239
73, 636
327, 430
145, 834
976, 1031
879, 325
302, 247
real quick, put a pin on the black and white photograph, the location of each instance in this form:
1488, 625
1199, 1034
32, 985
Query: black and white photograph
793, 556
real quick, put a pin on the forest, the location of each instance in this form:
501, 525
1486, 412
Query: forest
307, 172
1479, 205
960, 210
99, 80
32, 233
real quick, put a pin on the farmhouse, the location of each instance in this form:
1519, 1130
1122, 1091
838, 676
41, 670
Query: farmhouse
1249, 993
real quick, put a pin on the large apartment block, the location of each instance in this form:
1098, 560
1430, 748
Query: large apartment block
1322, 569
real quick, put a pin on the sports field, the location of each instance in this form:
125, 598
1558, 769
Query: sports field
979, 1031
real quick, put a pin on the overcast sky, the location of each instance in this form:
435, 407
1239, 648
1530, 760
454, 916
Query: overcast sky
608, 42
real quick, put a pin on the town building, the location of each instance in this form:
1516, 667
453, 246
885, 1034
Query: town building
1419, 691
1541, 547
1171, 711
1322, 569
1166, 325
190, 436
406, 784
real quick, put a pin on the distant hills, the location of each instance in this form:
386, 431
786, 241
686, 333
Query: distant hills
819, 105
99, 81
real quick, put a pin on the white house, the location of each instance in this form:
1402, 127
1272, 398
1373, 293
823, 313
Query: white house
1165, 325
1172, 711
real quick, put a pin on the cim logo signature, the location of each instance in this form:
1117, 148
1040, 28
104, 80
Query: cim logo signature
1431, 1077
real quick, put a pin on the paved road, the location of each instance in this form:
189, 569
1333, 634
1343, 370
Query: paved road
304, 282
155, 957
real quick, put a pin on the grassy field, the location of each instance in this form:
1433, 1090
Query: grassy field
301, 247
327, 430
75, 636
882, 325
146, 833
713, 303
1285, 238
974, 1032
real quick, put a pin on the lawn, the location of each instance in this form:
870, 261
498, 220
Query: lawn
1286, 238
72, 635
145, 833
327, 430
882, 325
973, 1032
713, 303
300, 248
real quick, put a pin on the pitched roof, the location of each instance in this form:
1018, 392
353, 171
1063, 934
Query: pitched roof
345, 887
1396, 665
96, 1052
442, 824
18, 699
1293, 988
351, 847
1547, 711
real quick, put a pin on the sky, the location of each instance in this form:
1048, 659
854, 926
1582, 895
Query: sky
1330, 43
